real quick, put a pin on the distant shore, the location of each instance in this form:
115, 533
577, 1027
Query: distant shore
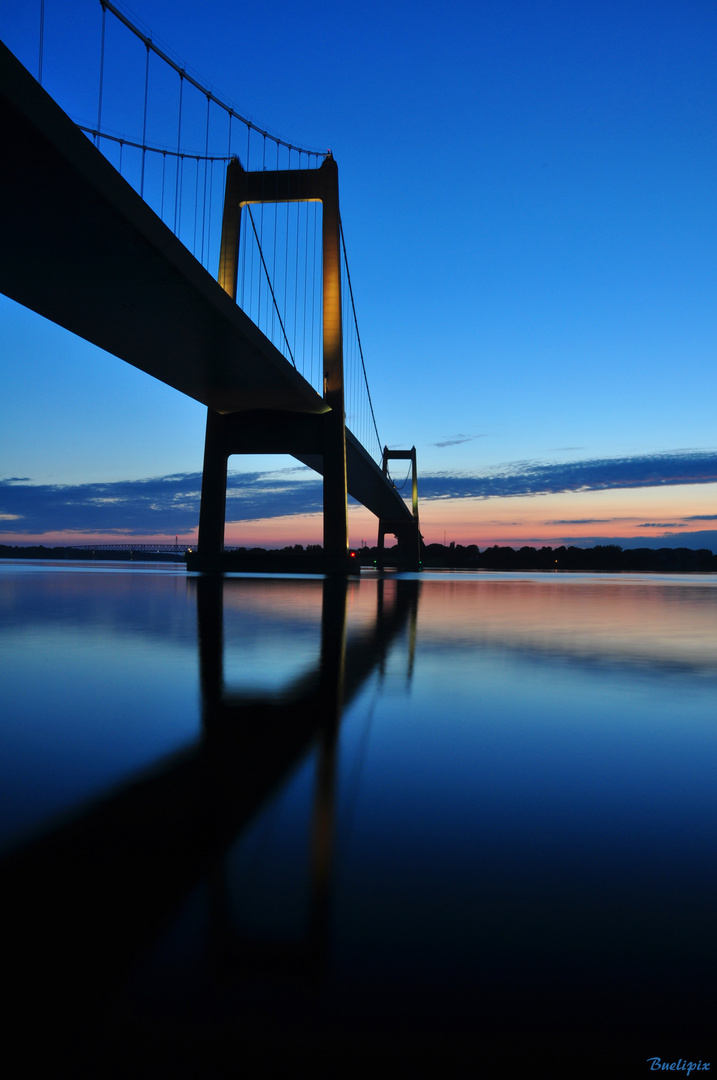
605, 558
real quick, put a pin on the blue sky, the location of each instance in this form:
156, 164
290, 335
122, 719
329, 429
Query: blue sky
528, 198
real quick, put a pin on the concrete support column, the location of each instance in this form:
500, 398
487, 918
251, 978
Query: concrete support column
212, 510
336, 525
213, 506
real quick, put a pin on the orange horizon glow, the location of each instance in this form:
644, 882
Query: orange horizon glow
536, 520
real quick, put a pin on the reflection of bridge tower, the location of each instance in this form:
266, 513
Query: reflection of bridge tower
276, 431
407, 533
307, 714
276, 732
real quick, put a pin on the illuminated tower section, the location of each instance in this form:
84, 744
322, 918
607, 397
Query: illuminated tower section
288, 185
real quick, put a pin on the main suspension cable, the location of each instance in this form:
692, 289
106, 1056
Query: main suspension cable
185, 74
358, 336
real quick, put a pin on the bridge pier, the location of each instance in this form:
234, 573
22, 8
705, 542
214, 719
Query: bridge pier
309, 437
212, 510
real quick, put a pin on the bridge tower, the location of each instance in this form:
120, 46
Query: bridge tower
407, 534
274, 431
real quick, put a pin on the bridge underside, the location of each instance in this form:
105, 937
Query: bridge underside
81, 248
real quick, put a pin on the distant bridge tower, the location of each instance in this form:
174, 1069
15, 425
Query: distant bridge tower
274, 431
407, 533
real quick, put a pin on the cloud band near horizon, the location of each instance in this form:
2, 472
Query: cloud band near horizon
170, 504
599, 474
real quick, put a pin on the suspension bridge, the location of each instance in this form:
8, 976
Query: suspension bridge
115, 237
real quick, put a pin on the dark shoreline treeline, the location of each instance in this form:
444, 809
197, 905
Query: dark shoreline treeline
601, 558
104, 554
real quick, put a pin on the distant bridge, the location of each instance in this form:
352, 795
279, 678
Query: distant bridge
84, 249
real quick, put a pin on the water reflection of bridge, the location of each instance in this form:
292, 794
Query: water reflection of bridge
91, 896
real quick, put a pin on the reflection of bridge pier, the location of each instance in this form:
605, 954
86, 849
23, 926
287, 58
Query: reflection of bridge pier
318, 700
91, 896
307, 714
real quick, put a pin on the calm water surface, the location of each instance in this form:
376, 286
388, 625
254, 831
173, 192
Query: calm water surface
475, 802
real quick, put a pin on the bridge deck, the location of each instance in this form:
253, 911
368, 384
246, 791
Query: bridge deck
82, 248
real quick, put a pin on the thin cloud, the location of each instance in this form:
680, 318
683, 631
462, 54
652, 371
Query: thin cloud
659, 525
456, 440
586, 521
